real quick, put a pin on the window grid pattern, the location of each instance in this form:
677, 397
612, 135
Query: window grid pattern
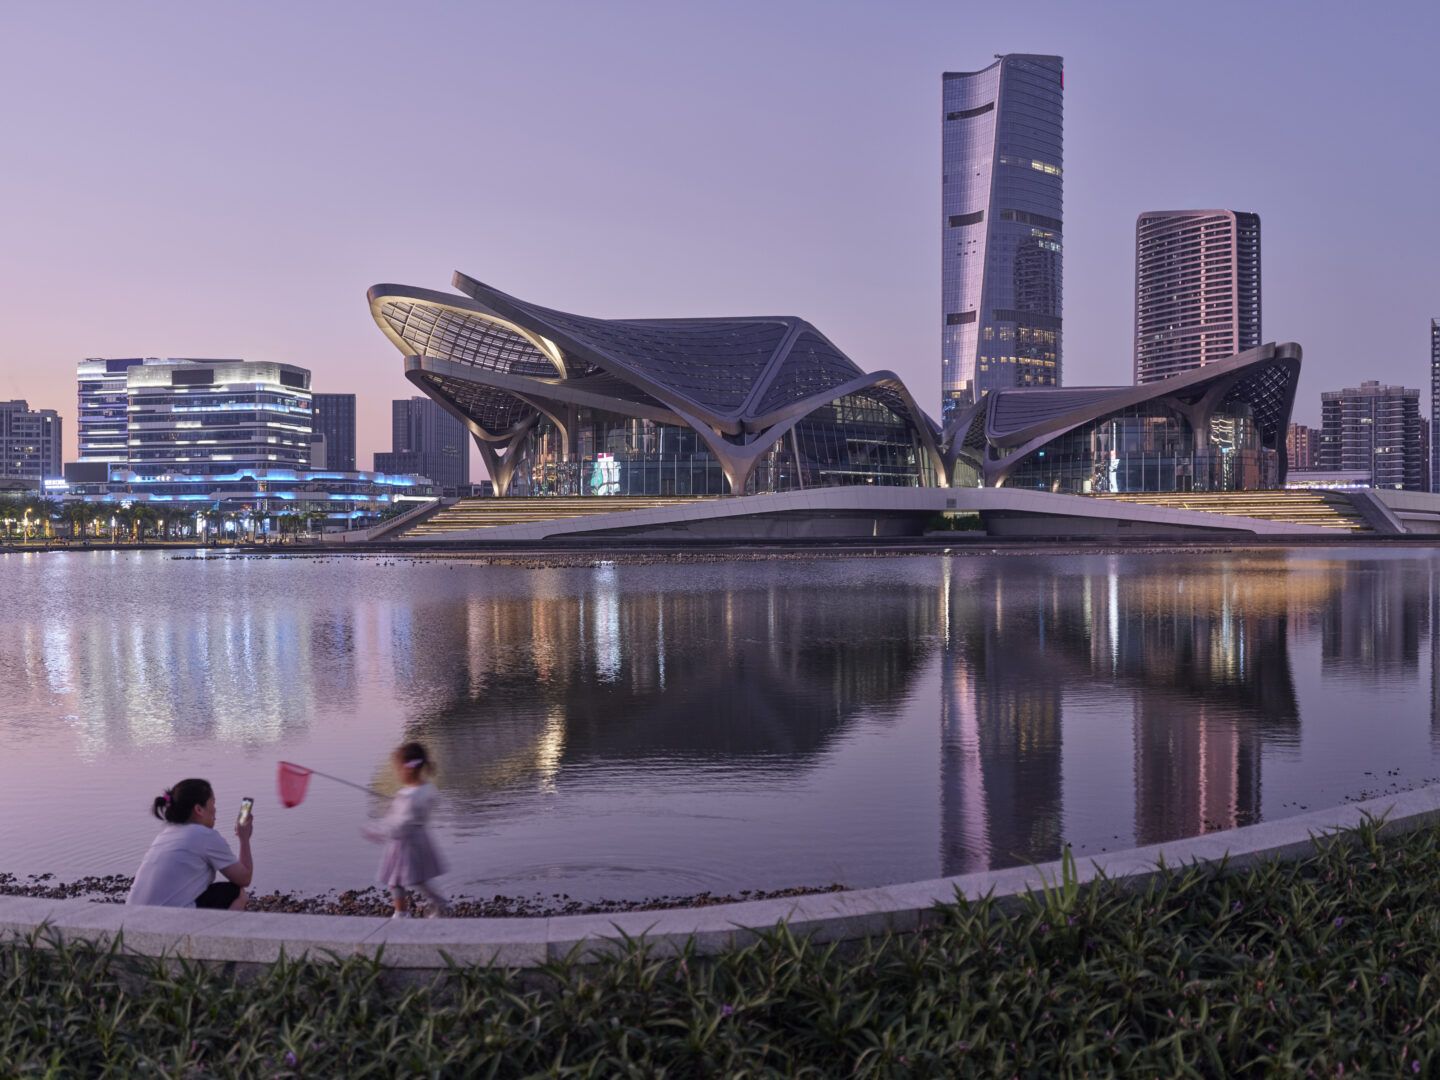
1001, 208
494, 410
861, 438
1149, 447
715, 363
811, 367
466, 339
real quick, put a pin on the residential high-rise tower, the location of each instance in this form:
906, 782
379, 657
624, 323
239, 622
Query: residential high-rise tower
1001, 198
1375, 429
1434, 404
1197, 289
29, 443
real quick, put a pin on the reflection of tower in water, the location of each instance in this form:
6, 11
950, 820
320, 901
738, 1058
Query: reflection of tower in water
1209, 654
1000, 717
1199, 659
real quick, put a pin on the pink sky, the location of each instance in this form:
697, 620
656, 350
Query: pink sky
205, 180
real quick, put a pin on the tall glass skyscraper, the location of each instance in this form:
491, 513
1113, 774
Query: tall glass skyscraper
1001, 197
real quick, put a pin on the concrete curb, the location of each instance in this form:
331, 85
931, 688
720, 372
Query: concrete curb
420, 945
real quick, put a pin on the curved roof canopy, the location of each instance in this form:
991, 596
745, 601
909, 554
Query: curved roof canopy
998, 432
500, 363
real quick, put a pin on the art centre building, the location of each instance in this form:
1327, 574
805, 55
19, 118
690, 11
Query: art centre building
1220, 427
563, 404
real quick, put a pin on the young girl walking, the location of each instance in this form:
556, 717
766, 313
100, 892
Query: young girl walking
410, 861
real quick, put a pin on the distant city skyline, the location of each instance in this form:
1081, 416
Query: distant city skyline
176, 202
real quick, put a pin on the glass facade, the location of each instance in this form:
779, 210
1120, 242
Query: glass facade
335, 419
857, 439
420, 426
1153, 448
1002, 236
218, 416
563, 404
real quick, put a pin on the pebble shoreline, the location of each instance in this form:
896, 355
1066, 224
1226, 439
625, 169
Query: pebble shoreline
111, 889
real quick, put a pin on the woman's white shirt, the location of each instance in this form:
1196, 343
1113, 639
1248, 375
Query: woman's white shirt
181, 864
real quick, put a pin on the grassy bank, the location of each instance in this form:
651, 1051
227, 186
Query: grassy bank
1323, 967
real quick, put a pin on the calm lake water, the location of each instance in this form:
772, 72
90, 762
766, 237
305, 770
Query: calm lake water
630, 731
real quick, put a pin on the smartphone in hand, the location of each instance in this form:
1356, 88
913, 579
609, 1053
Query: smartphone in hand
246, 805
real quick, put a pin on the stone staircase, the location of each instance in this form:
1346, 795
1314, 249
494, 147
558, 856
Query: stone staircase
467, 514
1327, 509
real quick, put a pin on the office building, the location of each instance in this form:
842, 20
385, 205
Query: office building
1374, 429
1001, 232
565, 404
102, 419
1197, 289
335, 420
1434, 458
30, 443
1302, 447
428, 440
218, 416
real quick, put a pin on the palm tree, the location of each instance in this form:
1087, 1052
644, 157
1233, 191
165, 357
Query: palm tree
141, 516
78, 515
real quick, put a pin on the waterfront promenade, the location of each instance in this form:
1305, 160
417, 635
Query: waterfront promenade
1305, 956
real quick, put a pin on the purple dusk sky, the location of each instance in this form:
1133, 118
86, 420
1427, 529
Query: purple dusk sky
227, 180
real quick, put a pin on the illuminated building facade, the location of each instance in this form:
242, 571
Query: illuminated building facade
1217, 428
1001, 231
563, 404
218, 416
103, 405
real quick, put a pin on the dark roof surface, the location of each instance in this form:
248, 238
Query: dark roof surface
1017, 409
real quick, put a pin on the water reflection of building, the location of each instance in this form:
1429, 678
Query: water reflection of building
1201, 658
744, 677
1000, 712
1373, 629
240, 674
1209, 654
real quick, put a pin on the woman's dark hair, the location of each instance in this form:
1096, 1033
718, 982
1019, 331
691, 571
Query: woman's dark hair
179, 802
413, 751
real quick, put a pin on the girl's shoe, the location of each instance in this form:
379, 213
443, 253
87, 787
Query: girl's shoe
398, 915
437, 911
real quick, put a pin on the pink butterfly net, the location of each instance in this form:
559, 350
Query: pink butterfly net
292, 780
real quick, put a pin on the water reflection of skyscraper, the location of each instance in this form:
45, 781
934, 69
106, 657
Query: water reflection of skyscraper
749, 678
1199, 660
